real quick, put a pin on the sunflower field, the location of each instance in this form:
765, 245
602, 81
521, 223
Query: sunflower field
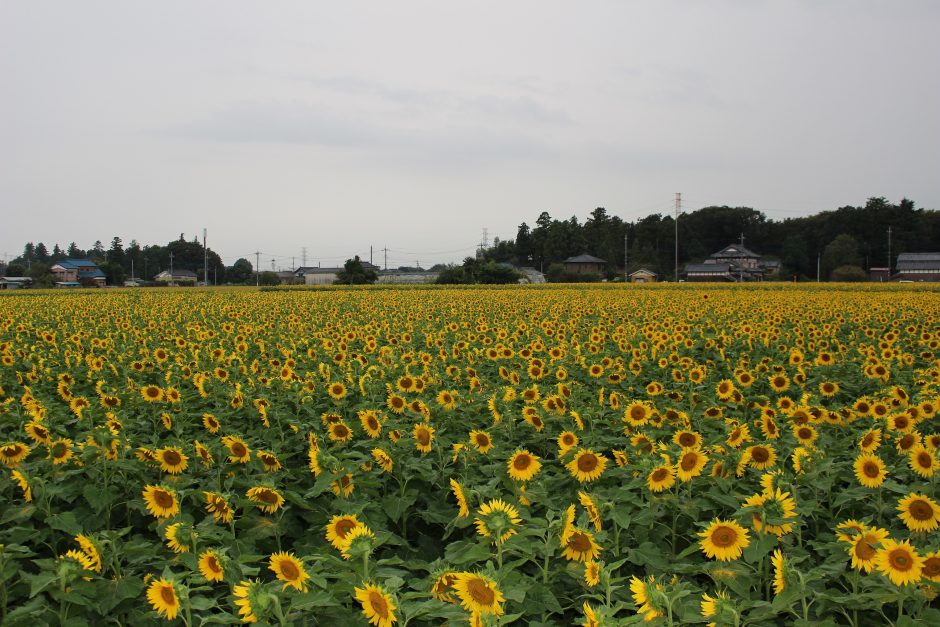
545, 455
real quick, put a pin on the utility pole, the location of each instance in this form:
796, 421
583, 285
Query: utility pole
626, 234
303, 257
370, 255
741, 270
132, 268
385, 250
678, 209
818, 258
257, 268
171, 268
205, 260
486, 243
889, 253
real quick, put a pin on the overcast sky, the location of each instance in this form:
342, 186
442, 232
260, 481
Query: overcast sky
414, 125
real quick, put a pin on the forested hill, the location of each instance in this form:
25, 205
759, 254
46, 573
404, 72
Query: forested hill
847, 235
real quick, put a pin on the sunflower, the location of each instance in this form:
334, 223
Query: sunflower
383, 459
23, 484
761, 456
931, 569
828, 388
497, 519
690, 465
172, 460
290, 570
481, 441
567, 440
161, 502
267, 499
211, 423
775, 505
37, 432
338, 529
457, 489
779, 383
163, 598
443, 587
218, 506
90, 549
661, 478
79, 557
849, 529
523, 465
899, 562
423, 435
710, 606
343, 485
359, 541
768, 427
579, 546
371, 423
922, 461
61, 451
592, 573
269, 460
806, 434
240, 453
870, 470
478, 594
12, 453
210, 566
724, 390
447, 399
919, 512
204, 454
780, 570
587, 465
863, 548
870, 442
152, 393
243, 600
178, 537
339, 432
724, 540
396, 403
593, 511
377, 605
643, 593
687, 439
336, 390
637, 413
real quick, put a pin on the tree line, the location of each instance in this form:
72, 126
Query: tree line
120, 263
845, 240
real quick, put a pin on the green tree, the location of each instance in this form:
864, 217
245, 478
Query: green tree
842, 251
269, 278
848, 273
354, 274
240, 272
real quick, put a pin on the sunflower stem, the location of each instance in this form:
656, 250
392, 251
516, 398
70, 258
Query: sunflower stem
365, 565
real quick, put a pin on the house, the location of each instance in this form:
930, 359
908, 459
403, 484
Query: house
15, 282
585, 264
917, 267
317, 275
82, 271
732, 263
879, 275
177, 277
643, 275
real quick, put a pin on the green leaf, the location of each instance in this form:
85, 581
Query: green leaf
66, 522
759, 547
465, 552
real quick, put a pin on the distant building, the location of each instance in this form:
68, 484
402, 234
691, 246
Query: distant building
732, 263
585, 264
83, 272
15, 282
643, 275
879, 275
178, 277
917, 267
317, 275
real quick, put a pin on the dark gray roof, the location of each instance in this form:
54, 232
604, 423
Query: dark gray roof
316, 270
709, 267
734, 251
918, 261
584, 259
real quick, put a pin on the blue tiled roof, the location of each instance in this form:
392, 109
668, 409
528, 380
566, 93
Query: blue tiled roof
78, 263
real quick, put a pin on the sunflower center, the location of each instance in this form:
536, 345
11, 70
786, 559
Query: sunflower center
932, 567
424, 437
239, 450
580, 543
925, 460
900, 559
568, 440
172, 458
638, 413
59, 450
480, 592
289, 570
804, 434
267, 496
373, 423
482, 440
660, 474
760, 455
341, 431
213, 564
906, 442
724, 536
687, 463
867, 440
343, 527
686, 439
163, 499
864, 550
153, 393
920, 510
379, 606
871, 470
587, 462
168, 596
521, 462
